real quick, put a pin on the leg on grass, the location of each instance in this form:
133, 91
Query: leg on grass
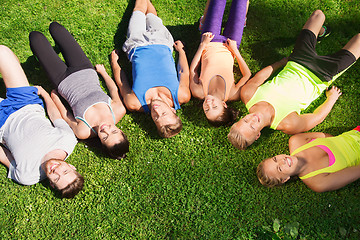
353, 46
73, 54
236, 21
315, 22
54, 67
11, 70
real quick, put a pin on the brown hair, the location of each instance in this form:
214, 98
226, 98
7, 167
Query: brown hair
264, 179
227, 117
170, 130
73, 188
119, 150
238, 140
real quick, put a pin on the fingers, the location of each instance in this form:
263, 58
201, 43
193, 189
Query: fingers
99, 68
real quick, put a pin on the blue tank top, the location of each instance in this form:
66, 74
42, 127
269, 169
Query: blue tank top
153, 66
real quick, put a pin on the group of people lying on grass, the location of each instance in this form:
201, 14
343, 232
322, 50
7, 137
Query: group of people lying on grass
323, 162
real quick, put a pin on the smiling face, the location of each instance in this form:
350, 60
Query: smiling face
109, 134
213, 107
162, 114
59, 173
280, 167
249, 127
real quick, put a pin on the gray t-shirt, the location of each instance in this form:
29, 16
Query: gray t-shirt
29, 136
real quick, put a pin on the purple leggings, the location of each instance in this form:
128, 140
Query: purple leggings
235, 24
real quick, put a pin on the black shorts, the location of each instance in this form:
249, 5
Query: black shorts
324, 67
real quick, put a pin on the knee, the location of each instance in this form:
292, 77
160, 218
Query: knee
5, 52
318, 14
35, 36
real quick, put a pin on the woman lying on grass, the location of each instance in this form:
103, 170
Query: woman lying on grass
321, 161
94, 113
216, 54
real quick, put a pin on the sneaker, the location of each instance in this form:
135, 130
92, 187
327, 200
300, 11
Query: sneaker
325, 34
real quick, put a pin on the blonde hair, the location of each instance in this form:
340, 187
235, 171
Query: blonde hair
238, 140
265, 179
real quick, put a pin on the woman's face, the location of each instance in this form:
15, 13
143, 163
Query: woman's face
109, 134
213, 107
280, 167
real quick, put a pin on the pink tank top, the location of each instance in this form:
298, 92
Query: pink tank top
216, 59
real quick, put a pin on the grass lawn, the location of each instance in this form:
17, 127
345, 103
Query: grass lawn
194, 185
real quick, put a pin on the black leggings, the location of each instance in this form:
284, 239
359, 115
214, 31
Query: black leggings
55, 68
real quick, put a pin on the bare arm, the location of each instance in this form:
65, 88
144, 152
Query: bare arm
244, 69
116, 104
249, 89
110, 84
301, 139
333, 181
130, 100
195, 85
295, 123
5, 156
184, 94
80, 129
51, 109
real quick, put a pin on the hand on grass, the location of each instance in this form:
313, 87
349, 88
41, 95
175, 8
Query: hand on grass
333, 94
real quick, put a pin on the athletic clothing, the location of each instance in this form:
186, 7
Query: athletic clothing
144, 30
148, 73
82, 96
328, 67
303, 79
217, 60
345, 148
75, 79
149, 49
29, 136
17, 98
55, 68
235, 24
292, 90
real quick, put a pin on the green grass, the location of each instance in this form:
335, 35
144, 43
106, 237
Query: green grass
194, 185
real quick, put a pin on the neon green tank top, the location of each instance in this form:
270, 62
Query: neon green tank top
292, 90
345, 147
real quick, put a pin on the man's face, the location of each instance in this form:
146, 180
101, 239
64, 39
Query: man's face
59, 173
162, 114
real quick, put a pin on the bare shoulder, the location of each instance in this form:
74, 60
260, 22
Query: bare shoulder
290, 124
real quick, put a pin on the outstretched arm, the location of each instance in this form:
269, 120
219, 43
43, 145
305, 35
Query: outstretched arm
130, 100
184, 94
195, 85
81, 131
51, 109
250, 87
244, 69
117, 105
295, 123
333, 181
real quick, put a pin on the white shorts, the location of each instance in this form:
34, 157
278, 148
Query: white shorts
146, 30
